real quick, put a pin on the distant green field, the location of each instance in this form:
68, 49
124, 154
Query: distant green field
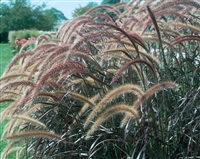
5, 57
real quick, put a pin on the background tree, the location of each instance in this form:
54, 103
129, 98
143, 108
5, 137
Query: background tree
81, 10
111, 2
21, 14
56, 15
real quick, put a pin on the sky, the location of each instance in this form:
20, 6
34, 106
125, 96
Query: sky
66, 6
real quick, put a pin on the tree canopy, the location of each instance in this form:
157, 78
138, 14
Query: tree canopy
81, 10
111, 2
21, 14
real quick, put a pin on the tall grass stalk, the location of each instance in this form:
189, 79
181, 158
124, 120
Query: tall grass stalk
83, 82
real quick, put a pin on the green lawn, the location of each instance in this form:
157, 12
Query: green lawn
5, 57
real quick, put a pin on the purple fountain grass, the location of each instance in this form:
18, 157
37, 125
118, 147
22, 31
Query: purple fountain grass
35, 134
14, 92
128, 64
93, 36
162, 14
32, 109
7, 98
38, 56
130, 8
171, 3
68, 31
152, 90
43, 50
70, 72
147, 94
25, 45
17, 149
105, 6
26, 118
81, 98
48, 94
120, 30
86, 106
111, 96
69, 81
155, 25
110, 112
16, 59
24, 100
33, 70
7, 148
115, 53
181, 39
138, 40
130, 20
8, 109
142, 8
12, 76
132, 52
171, 11
155, 39
182, 25
60, 58
102, 15
42, 38
54, 84
71, 64
47, 61
88, 58
15, 84
34, 56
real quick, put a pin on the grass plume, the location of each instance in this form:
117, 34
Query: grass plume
86, 106
22, 117
111, 96
110, 112
81, 98
43, 134
149, 93
130, 63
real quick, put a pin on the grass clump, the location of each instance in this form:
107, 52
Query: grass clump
74, 83
22, 37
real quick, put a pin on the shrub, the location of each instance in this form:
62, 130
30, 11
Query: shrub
21, 37
4, 37
102, 87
